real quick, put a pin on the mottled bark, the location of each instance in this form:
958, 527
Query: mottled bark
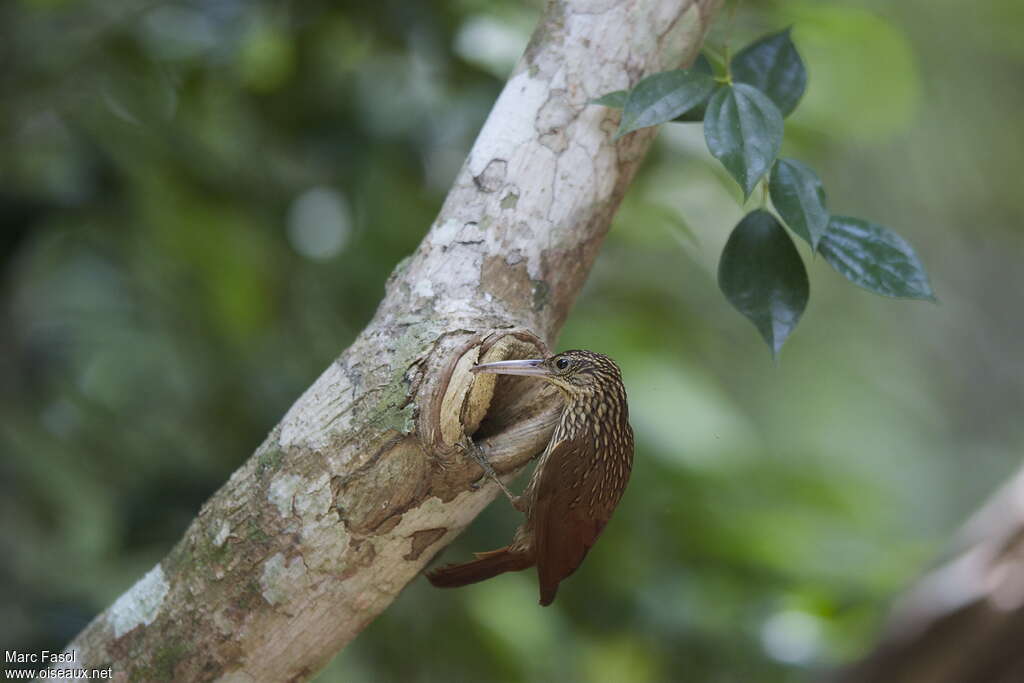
963, 622
361, 484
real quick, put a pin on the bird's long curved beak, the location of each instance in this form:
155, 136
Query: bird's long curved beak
514, 367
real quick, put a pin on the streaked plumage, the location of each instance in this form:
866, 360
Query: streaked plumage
578, 481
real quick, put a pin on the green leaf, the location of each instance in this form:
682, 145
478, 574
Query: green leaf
743, 129
615, 100
799, 197
663, 96
875, 258
696, 115
763, 277
773, 66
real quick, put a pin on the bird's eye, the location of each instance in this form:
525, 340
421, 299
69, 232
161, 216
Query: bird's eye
562, 363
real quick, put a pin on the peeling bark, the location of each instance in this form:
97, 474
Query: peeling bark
360, 484
962, 622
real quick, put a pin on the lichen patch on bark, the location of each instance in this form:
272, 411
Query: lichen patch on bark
282, 578
222, 533
314, 500
141, 604
281, 492
509, 199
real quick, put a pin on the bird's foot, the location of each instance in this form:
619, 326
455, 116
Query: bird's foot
469, 447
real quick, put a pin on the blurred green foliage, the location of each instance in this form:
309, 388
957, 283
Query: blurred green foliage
200, 203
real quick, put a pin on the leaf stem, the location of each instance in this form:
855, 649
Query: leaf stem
728, 40
712, 52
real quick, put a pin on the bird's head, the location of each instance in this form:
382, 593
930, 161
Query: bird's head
576, 372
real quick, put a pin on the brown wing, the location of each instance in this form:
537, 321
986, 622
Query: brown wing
570, 511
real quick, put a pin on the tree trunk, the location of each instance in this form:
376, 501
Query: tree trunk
361, 484
963, 622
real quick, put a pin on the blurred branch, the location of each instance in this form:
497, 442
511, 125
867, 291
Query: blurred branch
964, 621
360, 483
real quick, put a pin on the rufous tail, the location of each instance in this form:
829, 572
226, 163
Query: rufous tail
485, 566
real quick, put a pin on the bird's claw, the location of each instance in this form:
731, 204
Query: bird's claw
468, 447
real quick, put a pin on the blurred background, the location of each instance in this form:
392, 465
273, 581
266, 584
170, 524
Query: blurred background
200, 203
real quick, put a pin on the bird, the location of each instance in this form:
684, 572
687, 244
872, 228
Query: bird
577, 483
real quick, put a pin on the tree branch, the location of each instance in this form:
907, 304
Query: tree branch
964, 621
359, 485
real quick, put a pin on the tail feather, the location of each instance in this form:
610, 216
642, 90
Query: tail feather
485, 566
547, 594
